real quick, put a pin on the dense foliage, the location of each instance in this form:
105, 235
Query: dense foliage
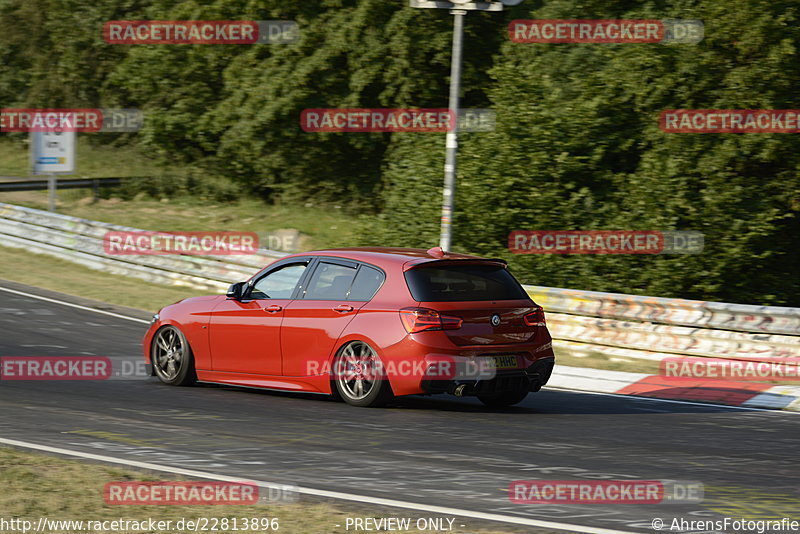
577, 143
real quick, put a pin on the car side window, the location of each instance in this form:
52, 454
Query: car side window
279, 284
330, 281
367, 282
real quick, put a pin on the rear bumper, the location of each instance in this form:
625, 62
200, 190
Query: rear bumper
423, 353
530, 379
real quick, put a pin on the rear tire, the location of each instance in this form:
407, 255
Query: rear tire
172, 358
504, 399
359, 376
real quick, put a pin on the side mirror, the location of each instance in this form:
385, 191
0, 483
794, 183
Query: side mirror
236, 291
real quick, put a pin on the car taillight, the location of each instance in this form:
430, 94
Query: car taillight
424, 319
535, 318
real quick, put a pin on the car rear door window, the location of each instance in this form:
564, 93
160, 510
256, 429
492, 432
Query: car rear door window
367, 282
460, 283
330, 281
278, 284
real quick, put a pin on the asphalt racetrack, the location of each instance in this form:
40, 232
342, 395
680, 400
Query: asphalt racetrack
439, 451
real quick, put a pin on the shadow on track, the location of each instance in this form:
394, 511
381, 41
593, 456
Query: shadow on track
542, 403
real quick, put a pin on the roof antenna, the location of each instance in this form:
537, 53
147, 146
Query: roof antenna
436, 252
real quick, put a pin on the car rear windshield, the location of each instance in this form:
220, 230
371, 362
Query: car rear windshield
456, 283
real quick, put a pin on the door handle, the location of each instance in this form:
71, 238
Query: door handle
273, 309
343, 308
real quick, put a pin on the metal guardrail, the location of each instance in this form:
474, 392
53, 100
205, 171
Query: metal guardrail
583, 323
623, 327
81, 241
652, 341
62, 183
697, 313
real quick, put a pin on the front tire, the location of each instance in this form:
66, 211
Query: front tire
172, 358
359, 376
504, 399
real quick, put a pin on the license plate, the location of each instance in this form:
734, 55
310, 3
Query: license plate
506, 361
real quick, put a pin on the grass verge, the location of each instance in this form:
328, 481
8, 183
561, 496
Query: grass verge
36, 485
595, 360
92, 160
320, 226
66, 277
164, 203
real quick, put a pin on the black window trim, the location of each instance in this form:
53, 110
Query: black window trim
312, 262
326, 259
356, 264
280, 264
368, 265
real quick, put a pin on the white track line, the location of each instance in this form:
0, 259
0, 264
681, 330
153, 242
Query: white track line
71, 305
673, 401
319, 493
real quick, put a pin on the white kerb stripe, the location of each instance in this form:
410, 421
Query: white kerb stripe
318, 493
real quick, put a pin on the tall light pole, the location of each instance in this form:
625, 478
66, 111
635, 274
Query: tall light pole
458, 8
451, 137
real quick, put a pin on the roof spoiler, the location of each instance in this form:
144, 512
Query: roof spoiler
419, 264
439, 254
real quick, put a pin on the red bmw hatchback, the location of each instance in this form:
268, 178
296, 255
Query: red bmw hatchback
366, 324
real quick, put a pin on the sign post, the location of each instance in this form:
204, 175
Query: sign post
458, 8
51, 192
53, 153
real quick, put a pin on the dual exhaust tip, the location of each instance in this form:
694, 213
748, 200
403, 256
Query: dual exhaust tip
463, 389
466, 390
